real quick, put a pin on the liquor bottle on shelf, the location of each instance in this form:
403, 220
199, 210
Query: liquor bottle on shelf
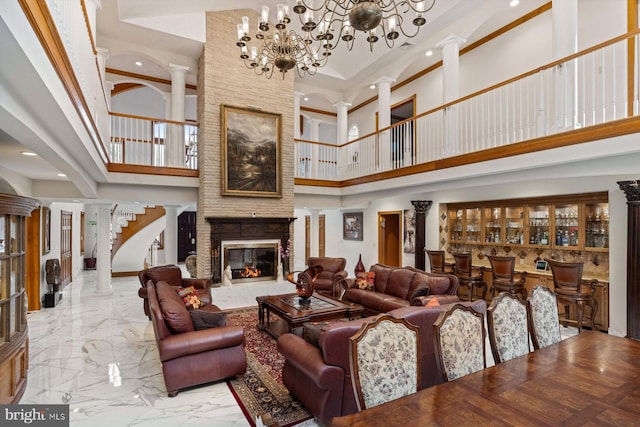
545, 238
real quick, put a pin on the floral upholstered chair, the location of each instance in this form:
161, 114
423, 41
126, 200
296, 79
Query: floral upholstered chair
508, 324
545, 323
385, 361
459, 337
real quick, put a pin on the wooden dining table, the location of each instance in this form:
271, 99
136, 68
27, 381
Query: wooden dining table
589, 379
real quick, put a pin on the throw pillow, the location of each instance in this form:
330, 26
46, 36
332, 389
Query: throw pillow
371, 279
422, 290
189, 297
208, 319
433, 302
363, 283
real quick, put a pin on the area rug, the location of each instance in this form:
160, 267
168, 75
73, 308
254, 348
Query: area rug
260, 389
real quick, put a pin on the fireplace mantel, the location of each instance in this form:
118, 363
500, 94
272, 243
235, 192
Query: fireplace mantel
244, 228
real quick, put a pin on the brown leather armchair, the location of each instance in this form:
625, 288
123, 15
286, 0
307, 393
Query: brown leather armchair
329, 281
188, 356
171, 274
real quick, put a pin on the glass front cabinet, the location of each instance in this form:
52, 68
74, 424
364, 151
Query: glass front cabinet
572, 222
13, 297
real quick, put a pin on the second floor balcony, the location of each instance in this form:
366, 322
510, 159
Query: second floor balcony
590, 95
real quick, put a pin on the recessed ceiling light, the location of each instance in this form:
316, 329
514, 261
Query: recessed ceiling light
373, 86
139, 64
306, 98
62, 174
514, 3
28, 153
429, 53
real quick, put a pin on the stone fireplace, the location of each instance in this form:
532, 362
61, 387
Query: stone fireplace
247, 242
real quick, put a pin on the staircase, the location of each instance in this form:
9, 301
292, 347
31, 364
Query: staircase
127, 220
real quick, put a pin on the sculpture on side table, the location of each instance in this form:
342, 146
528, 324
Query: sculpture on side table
304, 282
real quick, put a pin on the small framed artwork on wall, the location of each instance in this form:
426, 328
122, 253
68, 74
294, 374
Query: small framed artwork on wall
352, 226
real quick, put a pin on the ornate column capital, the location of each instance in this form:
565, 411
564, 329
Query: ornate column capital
422, 206
631, 190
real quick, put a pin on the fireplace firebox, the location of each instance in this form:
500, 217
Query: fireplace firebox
250, 229
251, 261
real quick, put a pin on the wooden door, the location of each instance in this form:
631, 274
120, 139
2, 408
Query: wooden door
389, 238
33, 260
186, 234
66, 233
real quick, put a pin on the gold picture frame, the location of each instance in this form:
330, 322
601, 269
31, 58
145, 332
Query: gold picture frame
251, 152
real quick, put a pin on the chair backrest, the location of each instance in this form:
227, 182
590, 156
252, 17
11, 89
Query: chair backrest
508, 324
463, 263
502, 267
543, 312
436, 261
384, 360
459, 337
171, 274
329, 265
566, 275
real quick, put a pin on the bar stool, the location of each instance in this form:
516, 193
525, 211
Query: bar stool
571, 289
505, 278
464, 271
436, 261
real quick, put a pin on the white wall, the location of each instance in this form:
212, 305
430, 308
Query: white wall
144, 101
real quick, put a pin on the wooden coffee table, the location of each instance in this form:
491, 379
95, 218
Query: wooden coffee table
293, 313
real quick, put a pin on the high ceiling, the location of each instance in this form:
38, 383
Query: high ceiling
176, 30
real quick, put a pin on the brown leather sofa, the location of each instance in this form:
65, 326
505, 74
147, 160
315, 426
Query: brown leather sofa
171, 274
396, 287
192, 357
329, 281
319, 377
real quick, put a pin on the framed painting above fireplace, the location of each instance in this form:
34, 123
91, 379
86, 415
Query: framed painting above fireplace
251, 146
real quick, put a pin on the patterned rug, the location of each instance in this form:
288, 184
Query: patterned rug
260, 390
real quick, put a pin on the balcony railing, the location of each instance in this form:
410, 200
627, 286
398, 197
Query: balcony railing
596, 86
137, 140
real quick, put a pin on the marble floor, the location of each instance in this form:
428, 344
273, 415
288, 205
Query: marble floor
97, 353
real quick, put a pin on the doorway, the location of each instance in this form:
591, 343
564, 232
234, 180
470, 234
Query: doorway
389, 238
66, 237
186, 235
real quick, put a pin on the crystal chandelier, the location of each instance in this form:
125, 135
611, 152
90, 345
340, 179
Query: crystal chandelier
376, 18
283, 49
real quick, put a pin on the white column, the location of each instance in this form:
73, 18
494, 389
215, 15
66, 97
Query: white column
297, 96
103, 252
314, 244
314, 134
171, 234
342, 108
176, 142
564, 16
384, 120
102, 56
451, 81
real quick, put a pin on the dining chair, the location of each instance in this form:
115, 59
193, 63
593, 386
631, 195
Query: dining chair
468, 275
459, 337
436, 261
504, 276
384, 357
508, 324
543, 317
572, 290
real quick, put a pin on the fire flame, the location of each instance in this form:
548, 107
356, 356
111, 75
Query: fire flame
250, 272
